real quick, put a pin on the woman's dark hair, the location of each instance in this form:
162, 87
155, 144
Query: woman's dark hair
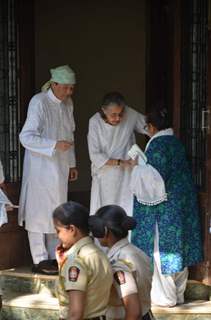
159, 118
72, 213
113, 218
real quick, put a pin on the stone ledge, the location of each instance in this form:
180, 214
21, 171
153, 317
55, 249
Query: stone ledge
33, 301
192, 307
25, 272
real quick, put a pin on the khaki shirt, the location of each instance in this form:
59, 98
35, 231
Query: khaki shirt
132, 274
85, 268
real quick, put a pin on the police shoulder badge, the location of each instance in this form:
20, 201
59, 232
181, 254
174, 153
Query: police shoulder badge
119, 276
73, 273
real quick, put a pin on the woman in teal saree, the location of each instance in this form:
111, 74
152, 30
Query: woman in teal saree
166, 211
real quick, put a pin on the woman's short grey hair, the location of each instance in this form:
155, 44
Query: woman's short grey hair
113, 98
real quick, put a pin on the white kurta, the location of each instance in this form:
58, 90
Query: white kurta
46, 170
110, 184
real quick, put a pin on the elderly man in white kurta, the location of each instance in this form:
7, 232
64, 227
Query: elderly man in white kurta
110, 137
48, 139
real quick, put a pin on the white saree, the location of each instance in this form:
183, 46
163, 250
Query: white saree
110, 184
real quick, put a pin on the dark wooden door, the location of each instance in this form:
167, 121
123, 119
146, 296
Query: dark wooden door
207, 200
179, 75
16, 88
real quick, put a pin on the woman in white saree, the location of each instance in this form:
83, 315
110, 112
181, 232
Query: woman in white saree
110, 136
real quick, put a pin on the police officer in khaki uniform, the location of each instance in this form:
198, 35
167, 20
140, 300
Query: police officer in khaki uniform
130, 294
85, 275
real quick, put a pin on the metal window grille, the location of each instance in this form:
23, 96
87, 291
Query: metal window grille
194, 85
9, 114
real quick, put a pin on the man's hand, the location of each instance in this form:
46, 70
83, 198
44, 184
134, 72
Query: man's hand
63, 145
73, 174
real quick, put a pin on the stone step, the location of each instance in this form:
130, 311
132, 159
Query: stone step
45, 307
193, 310
32, 296
29, 307
22, 280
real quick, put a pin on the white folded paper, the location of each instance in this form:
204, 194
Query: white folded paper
135, 152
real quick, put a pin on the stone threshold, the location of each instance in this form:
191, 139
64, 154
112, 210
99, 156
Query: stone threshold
193, 305
196, 307
44, 301
31, 301
25, 272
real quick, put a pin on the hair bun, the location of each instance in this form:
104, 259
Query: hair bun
96, 226
128, 223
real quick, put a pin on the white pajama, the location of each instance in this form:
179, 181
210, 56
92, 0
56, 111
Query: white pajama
167, 290
42, 246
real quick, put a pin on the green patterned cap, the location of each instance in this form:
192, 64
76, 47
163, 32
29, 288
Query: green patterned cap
63, 75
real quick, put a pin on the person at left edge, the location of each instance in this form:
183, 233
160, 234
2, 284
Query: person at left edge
48, 139
3, 213
1, 185
85, 275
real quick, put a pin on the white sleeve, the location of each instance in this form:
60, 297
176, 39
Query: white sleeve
72, 158
30, 136
97, 157
1, 173
124, 283
140, 123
